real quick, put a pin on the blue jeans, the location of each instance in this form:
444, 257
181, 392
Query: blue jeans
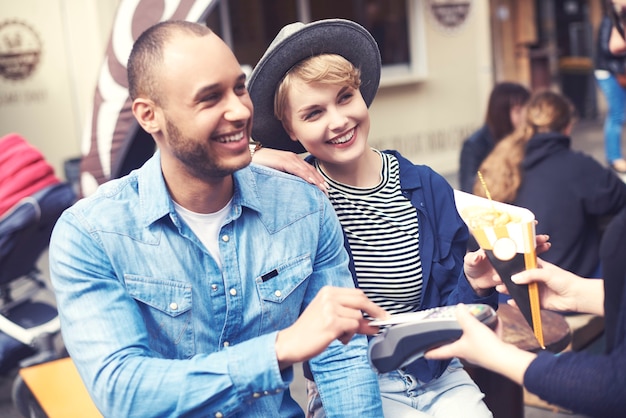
453, 394
616, 114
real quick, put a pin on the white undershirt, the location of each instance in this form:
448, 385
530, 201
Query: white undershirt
207, 227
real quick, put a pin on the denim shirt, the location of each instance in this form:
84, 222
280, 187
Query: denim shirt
157, 329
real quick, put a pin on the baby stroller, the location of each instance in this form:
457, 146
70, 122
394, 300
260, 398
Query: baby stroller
29, 324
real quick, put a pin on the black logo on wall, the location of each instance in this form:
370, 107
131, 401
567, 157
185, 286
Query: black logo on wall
449, 14
20, 50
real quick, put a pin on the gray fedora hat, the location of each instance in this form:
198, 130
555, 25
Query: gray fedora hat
298, 41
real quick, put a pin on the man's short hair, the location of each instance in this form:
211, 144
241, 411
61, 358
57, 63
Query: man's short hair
146, 56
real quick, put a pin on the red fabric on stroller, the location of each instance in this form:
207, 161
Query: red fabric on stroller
23, 171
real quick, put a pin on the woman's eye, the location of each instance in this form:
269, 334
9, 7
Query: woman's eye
345, 97
312, 114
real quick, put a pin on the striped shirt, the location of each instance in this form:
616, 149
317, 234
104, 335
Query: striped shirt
383, 232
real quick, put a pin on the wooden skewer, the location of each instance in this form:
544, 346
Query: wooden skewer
530, 260
482, 181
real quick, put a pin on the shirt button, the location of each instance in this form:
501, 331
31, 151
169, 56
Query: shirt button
214, 287
173, 306
226, 343
219, 415
233, 292
256, 395
277, 293
225, 238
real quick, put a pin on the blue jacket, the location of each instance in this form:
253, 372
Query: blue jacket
443, 244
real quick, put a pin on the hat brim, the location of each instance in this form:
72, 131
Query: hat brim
331, 36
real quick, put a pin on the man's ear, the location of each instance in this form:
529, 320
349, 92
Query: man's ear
145, 113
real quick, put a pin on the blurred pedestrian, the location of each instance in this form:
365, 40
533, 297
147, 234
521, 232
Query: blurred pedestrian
23, 171
505, 113
610, 74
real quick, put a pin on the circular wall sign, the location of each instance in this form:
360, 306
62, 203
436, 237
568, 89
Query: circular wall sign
20, 50
449, 14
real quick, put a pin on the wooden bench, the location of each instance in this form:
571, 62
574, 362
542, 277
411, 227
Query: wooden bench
59, 390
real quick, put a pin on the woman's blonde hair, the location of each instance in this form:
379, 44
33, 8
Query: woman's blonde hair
501, 171
324, 68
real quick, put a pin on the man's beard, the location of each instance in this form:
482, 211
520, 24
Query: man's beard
196, 155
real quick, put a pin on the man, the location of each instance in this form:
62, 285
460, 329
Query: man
192, 285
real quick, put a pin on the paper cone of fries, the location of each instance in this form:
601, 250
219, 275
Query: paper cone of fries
507, 234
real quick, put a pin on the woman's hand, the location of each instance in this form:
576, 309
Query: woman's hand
561, 290
479, 345
291, 163
543, 243
481, 274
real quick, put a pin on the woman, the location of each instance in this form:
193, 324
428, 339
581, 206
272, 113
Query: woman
570, 193
311, 91
505, 113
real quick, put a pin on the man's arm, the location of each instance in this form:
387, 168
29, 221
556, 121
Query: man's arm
127, 371
347, 384
334, 314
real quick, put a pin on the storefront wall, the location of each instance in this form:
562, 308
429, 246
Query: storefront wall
428, 120
50, 53
425, 117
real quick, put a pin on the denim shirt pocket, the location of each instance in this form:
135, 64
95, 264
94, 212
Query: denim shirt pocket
282, 291
166, 310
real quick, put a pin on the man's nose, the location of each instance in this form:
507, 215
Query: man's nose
238, 108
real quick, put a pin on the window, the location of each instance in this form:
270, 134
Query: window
249, 26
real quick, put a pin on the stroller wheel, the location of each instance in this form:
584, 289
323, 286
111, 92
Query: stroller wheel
24, 401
